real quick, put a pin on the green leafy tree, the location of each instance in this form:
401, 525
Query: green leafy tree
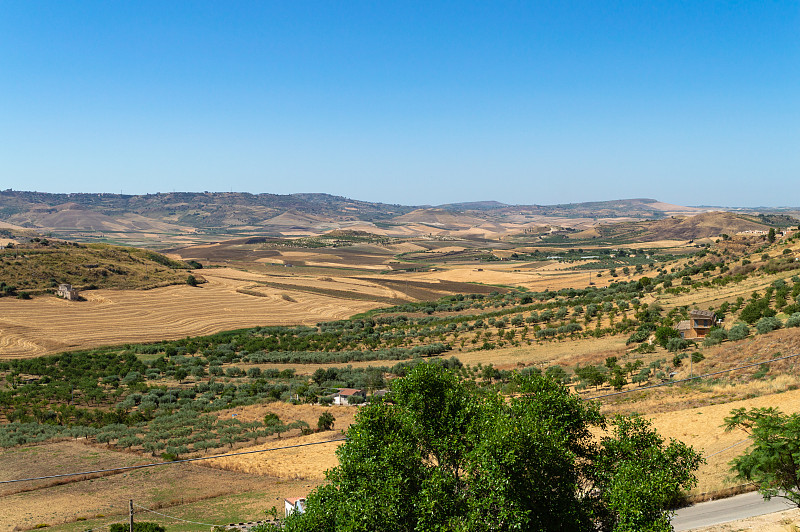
663, 335
618, 379
557, 373
271, 419
325, 421
444, 455
755, 310
638, 476
739, 331
181, 374
771, 462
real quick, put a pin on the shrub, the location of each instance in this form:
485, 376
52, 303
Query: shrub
739, 331
793, 320
645, 348
715, 336
141, 526
638, 336
767, 324
677, 344
325, 421
132, 377
272, 419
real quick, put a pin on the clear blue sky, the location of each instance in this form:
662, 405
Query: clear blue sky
692, 102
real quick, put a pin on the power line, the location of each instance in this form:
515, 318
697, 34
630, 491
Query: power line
156, 464
670, 383
728, 447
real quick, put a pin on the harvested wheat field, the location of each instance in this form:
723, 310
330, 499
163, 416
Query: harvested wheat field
298, 463
302, 463
48, 325
540, 277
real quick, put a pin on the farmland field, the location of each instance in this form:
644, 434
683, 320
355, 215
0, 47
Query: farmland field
50, 325
162, 381
104, 499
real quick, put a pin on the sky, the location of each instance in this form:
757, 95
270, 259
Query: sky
417, 103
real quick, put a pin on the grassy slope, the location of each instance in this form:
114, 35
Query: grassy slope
37, 267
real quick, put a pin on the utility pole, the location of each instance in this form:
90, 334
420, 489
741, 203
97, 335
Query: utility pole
130, 514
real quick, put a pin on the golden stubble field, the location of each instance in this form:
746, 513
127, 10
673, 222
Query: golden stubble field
702, 429
234, 298
47, 325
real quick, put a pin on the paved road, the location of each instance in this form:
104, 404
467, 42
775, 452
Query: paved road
724, 510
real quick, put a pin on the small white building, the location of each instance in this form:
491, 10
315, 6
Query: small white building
294, 504
342, 397
67, 292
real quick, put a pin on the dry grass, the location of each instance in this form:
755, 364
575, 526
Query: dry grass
154, 487
304, 463
714, 296
47, 325
537, 276
567, 353
701, 428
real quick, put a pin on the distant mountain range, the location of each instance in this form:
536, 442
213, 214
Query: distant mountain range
212, 215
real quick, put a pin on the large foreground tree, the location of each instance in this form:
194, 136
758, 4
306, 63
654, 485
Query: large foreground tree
446, 455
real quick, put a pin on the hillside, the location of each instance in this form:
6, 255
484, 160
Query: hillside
238, 390
171, 219
194, 209
439, 217
39, 265
703, 225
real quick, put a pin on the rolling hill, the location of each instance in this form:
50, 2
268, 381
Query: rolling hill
179, 218
704, 225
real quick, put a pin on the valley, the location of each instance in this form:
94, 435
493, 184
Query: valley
250, 356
